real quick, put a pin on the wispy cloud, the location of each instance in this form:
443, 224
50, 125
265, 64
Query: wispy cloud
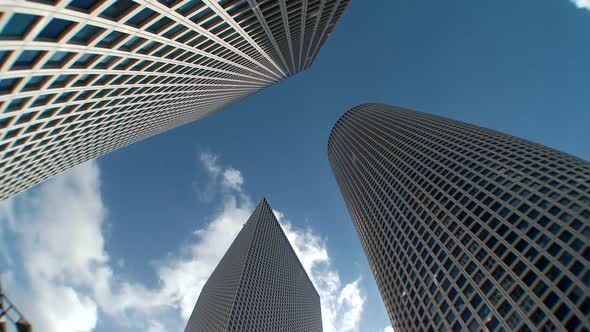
185, 276
582, 3
233, 178
68, 277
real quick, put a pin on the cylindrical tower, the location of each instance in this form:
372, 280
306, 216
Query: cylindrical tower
465, 228
79, 79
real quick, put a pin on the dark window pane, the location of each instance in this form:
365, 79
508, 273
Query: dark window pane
7, 84
11, 133
17, 104
159, 25
35, 83
4, 123
106, 62
18, 26
585, 306
27, 59
85, 60
132, 44
58, 59
86, 35
54, 29
118, 9
42, 100
190, 7
168, 3
26, 117
82, 5
551, 299
111, 39
61, 81
140, 18
3, 56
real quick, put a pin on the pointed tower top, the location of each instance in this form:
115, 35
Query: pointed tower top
260, 264
264, 203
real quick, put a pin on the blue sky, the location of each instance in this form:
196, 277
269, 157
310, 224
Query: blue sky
124, 243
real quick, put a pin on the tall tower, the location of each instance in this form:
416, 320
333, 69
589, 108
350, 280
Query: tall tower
259, 284
465, 228
80, 78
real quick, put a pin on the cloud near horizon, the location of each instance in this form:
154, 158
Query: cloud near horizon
67, 289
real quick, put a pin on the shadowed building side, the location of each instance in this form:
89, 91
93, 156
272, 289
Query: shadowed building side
465, 228
214, 305
259, 284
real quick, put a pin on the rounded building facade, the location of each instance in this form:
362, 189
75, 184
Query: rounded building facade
81, 78
465, 228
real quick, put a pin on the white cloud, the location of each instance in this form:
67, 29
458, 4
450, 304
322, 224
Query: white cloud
70, 278
342, 307
209, 161
183, 277
388, 329
219, 180
154, 326
57, 229
582, 3
67, 276
232, 178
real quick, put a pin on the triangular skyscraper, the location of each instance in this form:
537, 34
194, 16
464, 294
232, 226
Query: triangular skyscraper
259, 284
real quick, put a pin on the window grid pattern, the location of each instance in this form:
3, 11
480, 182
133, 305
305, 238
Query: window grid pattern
80, 78
259, 284
466, 228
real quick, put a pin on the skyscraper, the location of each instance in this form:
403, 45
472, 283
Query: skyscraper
465, 228
80, 78
259, 284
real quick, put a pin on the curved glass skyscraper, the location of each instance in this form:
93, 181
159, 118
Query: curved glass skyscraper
466, 228
80, 78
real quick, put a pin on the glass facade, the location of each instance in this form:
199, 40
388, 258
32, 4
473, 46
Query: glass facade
259, 285
466, 228
93, 76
